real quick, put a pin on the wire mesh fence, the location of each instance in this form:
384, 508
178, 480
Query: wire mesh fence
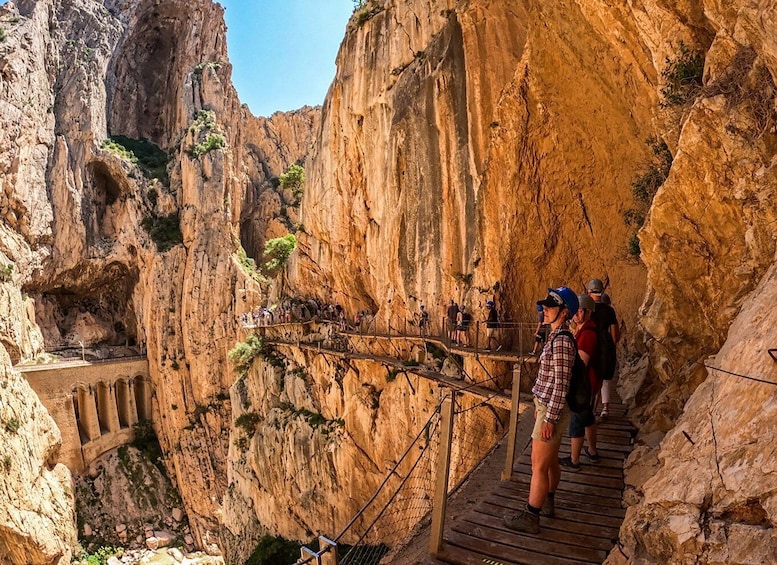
404, 503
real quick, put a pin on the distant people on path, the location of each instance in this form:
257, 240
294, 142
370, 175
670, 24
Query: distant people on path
492, 326
423, 322
451, 315
582, 425
463, 320
606, 322
551, 411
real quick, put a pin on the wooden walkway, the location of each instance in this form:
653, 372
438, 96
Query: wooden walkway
588, 510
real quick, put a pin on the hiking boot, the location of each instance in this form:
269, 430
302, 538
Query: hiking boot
524, 521
594, 457
569, 464
605, 412
548, 508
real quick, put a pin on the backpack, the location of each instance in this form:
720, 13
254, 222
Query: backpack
466, 318
579, 395
606, 353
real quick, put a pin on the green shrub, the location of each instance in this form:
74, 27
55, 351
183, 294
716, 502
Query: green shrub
146, 155
165, 231
12, 425
7, 463
147, 443
644, 188
5, 272
634, 249
99, 557
213, 142
278, 250
274, 551
198, 69
248, 422
204, 119
244, 353
683, 76
364, 13
249, 265
293, 179
2, 34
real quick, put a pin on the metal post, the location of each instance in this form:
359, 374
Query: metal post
329, 557
443, 472
477, 334
507, 472
306, 553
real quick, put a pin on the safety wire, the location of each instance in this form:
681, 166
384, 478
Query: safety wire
740, 375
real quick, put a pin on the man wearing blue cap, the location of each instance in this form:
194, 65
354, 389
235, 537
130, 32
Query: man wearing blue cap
551, 411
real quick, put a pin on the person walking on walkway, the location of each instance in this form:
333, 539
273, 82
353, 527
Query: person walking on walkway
551, 410
452, 313
463, 319
492, 326
606, 321
582, 426
423, 322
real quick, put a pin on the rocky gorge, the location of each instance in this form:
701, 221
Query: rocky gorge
467, 149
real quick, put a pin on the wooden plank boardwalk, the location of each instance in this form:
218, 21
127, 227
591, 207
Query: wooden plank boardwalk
588, 510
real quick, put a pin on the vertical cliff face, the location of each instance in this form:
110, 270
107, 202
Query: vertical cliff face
37, 518
477, 149
482, 149
706, 492
141, 256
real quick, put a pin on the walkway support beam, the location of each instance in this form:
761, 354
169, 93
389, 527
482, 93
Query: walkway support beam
443, 474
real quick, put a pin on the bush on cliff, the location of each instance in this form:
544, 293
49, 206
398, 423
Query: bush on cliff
244, 353
683, 76
277, 252
147, 155
274, 551
164, 230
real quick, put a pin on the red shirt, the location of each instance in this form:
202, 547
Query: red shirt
586, 341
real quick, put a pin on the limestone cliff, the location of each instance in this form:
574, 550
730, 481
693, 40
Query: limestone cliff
467, 149
478, 148
113, 248
37, 513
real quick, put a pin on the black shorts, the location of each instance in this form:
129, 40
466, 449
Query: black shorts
580, 421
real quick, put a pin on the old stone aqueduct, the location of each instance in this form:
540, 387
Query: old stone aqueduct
94, 404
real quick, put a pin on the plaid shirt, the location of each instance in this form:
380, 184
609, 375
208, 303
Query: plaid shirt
552, 384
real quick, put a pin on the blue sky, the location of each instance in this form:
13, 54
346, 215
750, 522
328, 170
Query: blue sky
283, 51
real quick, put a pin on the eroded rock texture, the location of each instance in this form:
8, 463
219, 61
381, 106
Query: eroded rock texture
467, 149
37, 510
109, 252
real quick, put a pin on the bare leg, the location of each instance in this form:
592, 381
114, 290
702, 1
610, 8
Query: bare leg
590, 436
545, 472
576, 448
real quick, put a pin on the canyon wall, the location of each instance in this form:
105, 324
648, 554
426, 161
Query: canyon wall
467, 149
478, 149
110, 251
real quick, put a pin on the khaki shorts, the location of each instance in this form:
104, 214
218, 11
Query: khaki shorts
561, 425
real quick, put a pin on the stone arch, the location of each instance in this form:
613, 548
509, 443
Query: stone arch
85, 412
142, 392
125, 402
103, 406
